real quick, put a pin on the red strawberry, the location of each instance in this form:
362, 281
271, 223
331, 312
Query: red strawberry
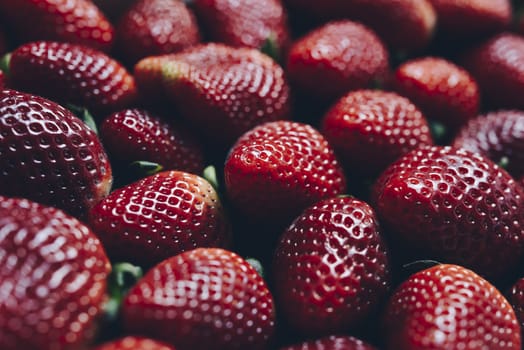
444, 91
516, 299
336, 58
498, 136
332, 343
134, 343
202, 299
2, 80
53, 278
74, 74
148, 74
137, 135
277, 169
370, 129
49, 155
160, 216
454, 206
74, 21
154, 27
331, 267
449, 307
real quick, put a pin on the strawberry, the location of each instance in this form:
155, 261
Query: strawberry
53, 278
154, 27
74, 74
498, 66
148, 74
332, 343
370, 129
2, 80
277, 169
74, 21
449, 307
454, 206
160, 216
331, 267
444, 91
134, 343
336, 58
138, 135
516, 299
206, 298
496, 135
49, 155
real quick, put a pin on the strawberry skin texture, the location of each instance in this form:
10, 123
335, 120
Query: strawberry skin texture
277, 169
68, 73
336, 58
160, 216
449, 307
49, 155
442, 90
332, 343
331, 267
206, 298
516, 299
453, 206
155, 27
134, 343
136, 134
53, 278
74, 21
369, 129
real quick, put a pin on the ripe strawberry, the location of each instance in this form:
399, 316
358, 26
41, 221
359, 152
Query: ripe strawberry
449, 307
2, 80
498, 67
277, 169
74, 74
53, 278
331, 267
134, 343
154, 27
148, 74
160, 216
49, 155
454, 206
516, 299
73, 21
333, 342
370, 129
202, 299
138, 135
444, 91
498, 136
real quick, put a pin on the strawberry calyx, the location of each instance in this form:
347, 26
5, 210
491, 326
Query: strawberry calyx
271, 48
83, 114
210, 174
145, 168
4, 63
123, 276
257, 265
439, 132
503, 162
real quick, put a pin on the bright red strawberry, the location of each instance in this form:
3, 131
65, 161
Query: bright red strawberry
53, 278
160, 216
336, 58
49, 155
331, 267
498, 136
138, 135
498, 67
516, 299
155, 27
369, 129
202, 299
453, 206
444, 91
449, 307
74, 74
277, 169
74, 21
333, 342
134, 343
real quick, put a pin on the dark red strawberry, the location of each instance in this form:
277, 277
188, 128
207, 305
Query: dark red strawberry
74, 21
331, 267
2, 79
160, 216
154, 27
138, 135
49, 155
202, 299
74, 74
369, 129
454, 206
333, 342
277, 169
449, 307
53, 278
148, 74
336, 58
498, 136
444, 91
135, 343
516, 299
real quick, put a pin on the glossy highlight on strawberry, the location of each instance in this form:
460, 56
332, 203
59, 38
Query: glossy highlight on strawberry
134, 343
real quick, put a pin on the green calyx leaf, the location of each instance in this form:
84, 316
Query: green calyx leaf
4, 63
503, 162
83, 114
210, 174
271, 48
144, 167
438, 131
256, 265
122, 277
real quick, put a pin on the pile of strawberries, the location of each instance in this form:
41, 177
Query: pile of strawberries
261, 174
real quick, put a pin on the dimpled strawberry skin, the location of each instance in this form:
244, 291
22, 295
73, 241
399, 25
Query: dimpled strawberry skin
134, 343
202, 299
449, 307
332, 343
